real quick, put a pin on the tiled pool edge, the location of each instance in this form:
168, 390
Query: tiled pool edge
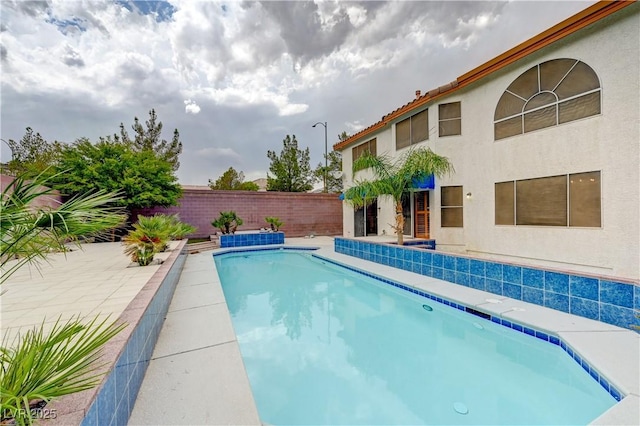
574, 293
251, 239
127, 355
544, 335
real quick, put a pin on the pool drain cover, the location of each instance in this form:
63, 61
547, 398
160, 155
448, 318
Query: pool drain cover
460, 408
427, 308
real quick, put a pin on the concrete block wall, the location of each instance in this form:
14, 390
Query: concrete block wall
302, 213
52, 200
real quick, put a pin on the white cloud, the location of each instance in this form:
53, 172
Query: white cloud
191, 107
217, 153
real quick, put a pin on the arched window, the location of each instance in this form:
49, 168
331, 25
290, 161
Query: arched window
548, 94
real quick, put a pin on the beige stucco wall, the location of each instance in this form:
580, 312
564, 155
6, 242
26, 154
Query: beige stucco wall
608, 142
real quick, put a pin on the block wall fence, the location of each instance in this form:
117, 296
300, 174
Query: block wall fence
52, 200
302, 213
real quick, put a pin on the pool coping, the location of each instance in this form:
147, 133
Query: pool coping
581, 336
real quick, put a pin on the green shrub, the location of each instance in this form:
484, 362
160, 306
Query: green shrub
227, 222
41, 367
274, 222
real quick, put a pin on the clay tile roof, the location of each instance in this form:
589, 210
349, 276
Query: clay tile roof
570, 25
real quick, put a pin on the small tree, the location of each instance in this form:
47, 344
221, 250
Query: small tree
291, 170
110, 165
394, 179
232, 180
333, 172
149, 139
32, 154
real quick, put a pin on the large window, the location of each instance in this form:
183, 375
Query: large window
451, 207
551, 93
370, 146
412, 130
566, 200
449, 119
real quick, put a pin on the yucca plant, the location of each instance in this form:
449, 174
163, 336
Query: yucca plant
274, 222
41, 366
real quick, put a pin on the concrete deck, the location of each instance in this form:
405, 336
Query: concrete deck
196, 375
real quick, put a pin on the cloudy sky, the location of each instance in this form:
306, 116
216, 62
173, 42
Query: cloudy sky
236, 77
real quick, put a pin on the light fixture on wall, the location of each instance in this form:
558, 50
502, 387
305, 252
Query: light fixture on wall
468, 195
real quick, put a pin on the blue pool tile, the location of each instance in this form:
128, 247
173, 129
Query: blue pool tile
426, 270
449, 275
556, 301
554, 340
529, 331
616, 315
512, 274
437, 260
477, 282
476, 267
107, 398
512, 290
604, 383
493, 286
493, 270
616, 293
462, 279
518, 327
495, 319
636, 297
425, 258
533, 277
614, 393
449, 262
91, 418
415, 256
556, 282
436, 273
532, 295
416, 267
585, 308
407, 254
542, 336
462, 265
584, 287
507, 323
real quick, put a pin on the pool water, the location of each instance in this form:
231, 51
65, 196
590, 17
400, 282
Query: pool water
325, 345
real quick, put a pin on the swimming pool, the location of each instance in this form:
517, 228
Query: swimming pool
326, 345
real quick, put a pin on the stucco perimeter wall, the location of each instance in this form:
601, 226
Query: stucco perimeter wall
302, 213
52, 200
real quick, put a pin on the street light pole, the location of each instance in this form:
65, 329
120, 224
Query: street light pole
326, 167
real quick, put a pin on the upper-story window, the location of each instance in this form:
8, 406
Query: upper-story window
449, 119
370, 146
550, 93
412, 130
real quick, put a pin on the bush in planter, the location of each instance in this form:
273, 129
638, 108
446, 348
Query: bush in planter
274, 223
227, 222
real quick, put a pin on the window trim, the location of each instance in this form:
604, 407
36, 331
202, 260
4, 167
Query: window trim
440, 120
556, 105
411, 142
445, 207
361, 147
568, 208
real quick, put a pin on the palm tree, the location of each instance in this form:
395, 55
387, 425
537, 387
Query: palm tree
394, 178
